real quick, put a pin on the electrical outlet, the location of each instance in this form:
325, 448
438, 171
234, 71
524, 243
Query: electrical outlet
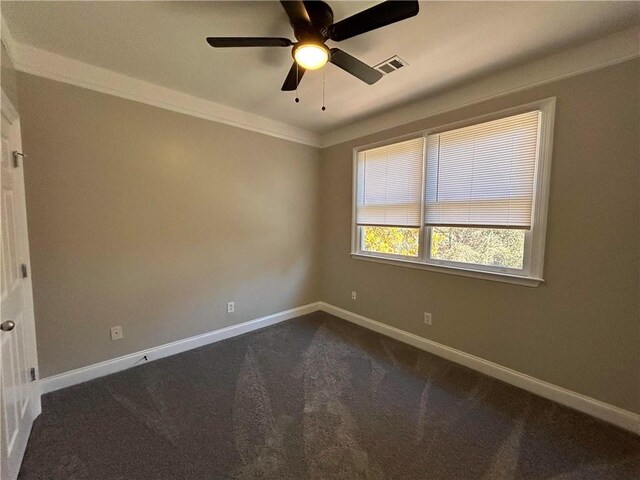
231, 307
427, 318
354, 295
116, 333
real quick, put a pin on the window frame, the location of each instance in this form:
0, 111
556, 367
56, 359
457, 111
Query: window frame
534, 246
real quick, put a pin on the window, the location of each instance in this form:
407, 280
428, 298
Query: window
389, 197
469, 198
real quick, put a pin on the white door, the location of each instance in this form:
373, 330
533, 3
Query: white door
19, 393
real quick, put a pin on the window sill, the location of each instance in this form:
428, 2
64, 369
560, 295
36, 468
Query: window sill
463, 272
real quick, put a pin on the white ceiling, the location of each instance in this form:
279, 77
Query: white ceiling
447, 44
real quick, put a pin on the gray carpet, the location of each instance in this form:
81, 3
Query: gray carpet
316, 398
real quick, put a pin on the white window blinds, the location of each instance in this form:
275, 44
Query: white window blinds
389, 184
483, 175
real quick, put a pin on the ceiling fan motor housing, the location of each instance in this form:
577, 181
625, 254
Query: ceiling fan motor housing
317, 30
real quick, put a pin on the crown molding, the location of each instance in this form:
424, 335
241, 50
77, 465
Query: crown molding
600, 53
42, 63
610, 50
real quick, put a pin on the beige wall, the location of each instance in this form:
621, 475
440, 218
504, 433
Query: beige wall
580, 329
153, 220
8, 76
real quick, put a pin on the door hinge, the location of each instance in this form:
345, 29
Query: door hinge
23, 270
32, 371
16, 155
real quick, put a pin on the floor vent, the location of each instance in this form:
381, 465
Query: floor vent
391, 65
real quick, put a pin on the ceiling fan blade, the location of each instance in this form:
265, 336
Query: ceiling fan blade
224, 42
377, 16
296, 12
293, 78
354, 66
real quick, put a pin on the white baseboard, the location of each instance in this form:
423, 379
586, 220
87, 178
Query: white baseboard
84, 374
604, 411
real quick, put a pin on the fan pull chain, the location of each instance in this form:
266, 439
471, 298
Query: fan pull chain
297, 82
323, 107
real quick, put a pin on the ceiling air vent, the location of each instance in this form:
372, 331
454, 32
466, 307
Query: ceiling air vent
391, 65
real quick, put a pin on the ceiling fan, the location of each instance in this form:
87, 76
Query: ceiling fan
312, 23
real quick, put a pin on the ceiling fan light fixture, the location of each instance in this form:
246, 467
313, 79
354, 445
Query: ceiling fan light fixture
311, 56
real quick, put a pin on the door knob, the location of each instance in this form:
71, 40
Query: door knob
7, 326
